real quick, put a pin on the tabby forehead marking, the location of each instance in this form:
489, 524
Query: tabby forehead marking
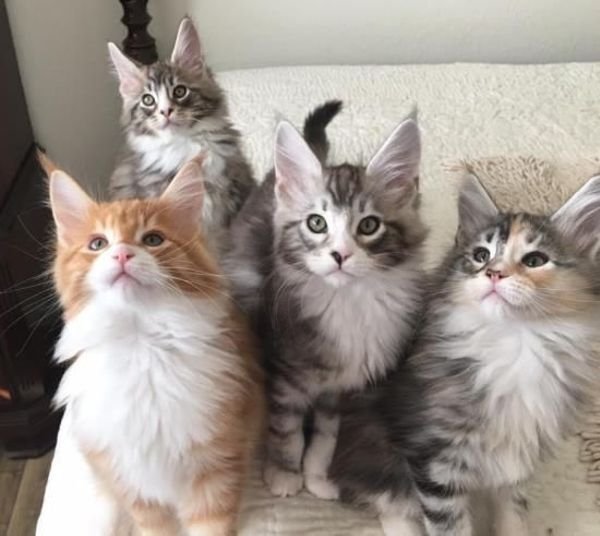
343, 183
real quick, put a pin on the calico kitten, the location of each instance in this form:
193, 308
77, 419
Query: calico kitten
499, 374
164, 391
173, 110
341, 279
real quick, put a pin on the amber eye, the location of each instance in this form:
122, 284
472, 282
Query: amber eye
97, 243
152, 239
147, 99
179, 92
535, 259
481, 254
316, 223
369, 225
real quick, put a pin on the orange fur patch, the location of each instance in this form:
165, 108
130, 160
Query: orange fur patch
213, 501
183, 253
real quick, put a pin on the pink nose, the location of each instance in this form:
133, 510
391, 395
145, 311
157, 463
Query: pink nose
122, 255
340, 256
167, 112
495, 275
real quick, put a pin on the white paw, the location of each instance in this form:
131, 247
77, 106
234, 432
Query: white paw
397, 525
282, 483
322, 487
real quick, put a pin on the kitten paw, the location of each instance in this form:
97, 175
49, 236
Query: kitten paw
396, 525
321, 487
282, 483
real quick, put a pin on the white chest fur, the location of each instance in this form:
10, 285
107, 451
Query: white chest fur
145, 387
167, 151
527, 373
363, 324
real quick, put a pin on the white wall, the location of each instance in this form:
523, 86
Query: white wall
251, 33
61, 46
72, 99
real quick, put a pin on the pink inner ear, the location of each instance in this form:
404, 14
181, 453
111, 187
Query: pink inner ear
131, 86
187, 52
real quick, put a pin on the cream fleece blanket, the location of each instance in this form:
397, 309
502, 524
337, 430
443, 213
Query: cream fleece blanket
529, 131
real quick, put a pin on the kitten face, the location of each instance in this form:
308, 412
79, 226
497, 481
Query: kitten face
346, 232
168, 96
171, 100
127, 250
519, 267
524, 266
347, 222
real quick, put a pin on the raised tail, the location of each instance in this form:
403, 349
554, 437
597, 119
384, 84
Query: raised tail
314, 127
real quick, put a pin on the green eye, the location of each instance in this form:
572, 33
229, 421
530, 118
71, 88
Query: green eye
147, 99
97, 243
369, 225
316, 223
179, 91
152, 239
481, 254
535, 259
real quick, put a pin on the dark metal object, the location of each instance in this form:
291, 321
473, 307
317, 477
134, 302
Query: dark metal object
138, 44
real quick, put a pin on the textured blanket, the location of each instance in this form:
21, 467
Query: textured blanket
530, 132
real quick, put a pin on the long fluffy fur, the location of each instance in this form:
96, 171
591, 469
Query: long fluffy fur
485, 392
153, 154
318, 343
164, 387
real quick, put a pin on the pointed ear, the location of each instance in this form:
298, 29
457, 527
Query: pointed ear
187, 52
45, 163
475, 207
298, 172
70, 205
395, 166
185, 193
131, 77
578, 220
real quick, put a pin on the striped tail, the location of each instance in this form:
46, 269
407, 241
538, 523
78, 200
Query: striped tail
314, 128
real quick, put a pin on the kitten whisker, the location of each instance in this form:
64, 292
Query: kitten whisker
49, 292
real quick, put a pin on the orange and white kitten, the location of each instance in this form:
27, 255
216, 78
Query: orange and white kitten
164, 390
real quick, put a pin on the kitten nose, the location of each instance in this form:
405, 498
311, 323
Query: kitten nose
339, 258
495, 275
123, 255
167, 112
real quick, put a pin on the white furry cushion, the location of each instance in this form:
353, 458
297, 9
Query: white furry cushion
546, 114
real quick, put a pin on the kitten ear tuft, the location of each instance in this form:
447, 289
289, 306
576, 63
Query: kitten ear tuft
395, 166
69, 203
298, 171
476, 209
578, 220
131, 77
186, 191
187, 51
47, 165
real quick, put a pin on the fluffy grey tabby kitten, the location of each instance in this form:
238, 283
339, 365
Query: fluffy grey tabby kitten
172, 111
498, 375
340, 258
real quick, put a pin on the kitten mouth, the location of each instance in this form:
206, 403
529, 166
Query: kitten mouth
123, 277
494, 294
338, 273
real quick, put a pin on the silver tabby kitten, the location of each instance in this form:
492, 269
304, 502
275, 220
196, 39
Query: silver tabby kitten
172, 111
498, 376
343, 271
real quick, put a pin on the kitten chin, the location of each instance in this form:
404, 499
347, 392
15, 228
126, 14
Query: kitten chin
164, 390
